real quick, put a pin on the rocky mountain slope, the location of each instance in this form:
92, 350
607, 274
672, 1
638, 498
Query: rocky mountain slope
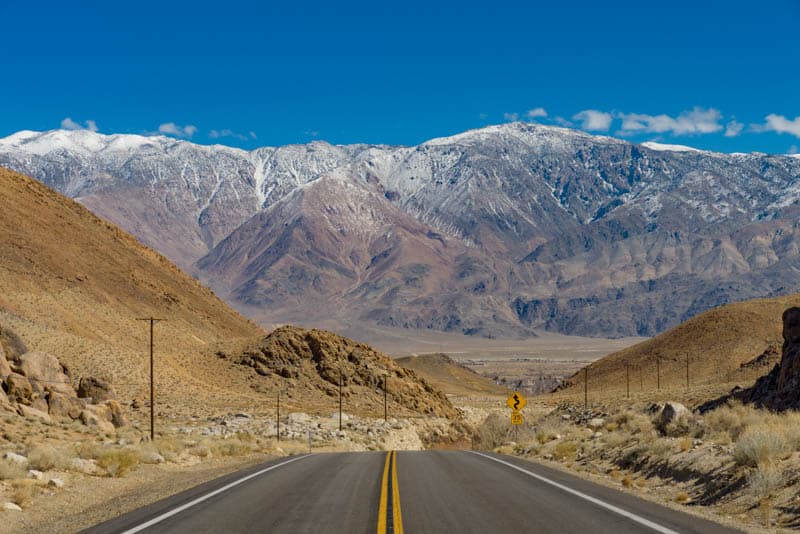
495, 231
75, 287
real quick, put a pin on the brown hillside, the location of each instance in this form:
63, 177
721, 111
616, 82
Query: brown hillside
723, 345
74, 285
307, 365
450, 376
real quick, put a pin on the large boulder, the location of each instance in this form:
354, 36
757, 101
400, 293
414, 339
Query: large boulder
63, 406
97, 389
98, 417
45, 372
19, 389
118, 417
672, 412
33, 413
5, 367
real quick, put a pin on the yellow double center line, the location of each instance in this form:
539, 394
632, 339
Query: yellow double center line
390, 519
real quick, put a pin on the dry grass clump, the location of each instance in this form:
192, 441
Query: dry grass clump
117, 462
548, 431
565, 450
23, 492
627, 481
764, 481
732, 419
231, 447
760, 446
493, 432
11, 470
681, 497
658, 449
47, 457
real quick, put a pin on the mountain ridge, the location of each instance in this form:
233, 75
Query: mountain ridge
542, 224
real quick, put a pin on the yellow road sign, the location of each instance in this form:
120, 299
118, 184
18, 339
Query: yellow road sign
516, 401
516, 418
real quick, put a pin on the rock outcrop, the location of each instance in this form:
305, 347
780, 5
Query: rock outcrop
37, 386
780, 389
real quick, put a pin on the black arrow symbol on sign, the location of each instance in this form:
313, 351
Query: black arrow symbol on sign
516, 401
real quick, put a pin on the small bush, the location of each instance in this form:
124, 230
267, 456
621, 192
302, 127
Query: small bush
627, 481
566, 450
45, 458
759, 447
23, 492
117, 462
764, 481
659, 449
685, 444
682, 497
493, 432
11, 470
231, 447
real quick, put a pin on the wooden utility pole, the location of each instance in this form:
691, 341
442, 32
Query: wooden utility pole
628, 380
152, 321
586, 387
687, 371
385, 398
278, 418
658, 373
340, 399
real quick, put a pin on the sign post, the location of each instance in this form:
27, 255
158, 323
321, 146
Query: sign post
516, 402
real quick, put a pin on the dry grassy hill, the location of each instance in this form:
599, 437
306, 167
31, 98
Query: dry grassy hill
733, 343
74, 285
450, 376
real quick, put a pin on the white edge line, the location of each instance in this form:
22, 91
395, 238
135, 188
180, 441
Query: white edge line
207, 496
630, 515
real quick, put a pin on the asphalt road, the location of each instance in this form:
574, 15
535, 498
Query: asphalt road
428, 491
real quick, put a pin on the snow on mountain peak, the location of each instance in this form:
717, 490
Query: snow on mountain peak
662, 147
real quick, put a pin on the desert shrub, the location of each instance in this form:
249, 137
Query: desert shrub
89, 450
759, 446
46, 457
627, 481
565, 450
547, 431
733, 419
493, 432
201, 449
231, 447
245, 437
117, 462
681, 497
763, 481
658, 449
615, 440
23, 492
685, 444
11, 470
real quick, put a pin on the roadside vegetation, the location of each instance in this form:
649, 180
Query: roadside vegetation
739, 461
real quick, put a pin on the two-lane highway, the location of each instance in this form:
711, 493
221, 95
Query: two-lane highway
426, 491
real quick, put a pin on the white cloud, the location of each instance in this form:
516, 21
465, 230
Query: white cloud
733, 128
253, 135
536, 113
69, 124
793, 149
591, 119
170, 128
511, 117
227, 132
779, 124
696, 121
561, 121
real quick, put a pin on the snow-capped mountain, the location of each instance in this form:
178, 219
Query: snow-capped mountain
492, 231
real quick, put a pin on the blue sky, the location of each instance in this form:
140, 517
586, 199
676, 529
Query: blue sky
717, 75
